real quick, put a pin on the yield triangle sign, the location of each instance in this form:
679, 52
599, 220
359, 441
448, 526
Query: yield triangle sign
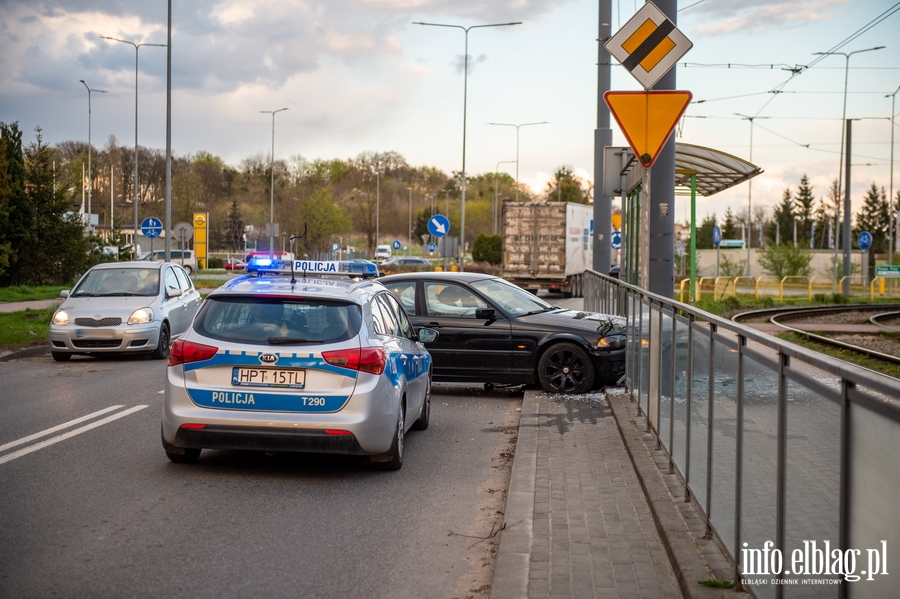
647, 118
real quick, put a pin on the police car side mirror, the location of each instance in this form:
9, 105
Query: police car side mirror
486, 314
427, 335
172, 292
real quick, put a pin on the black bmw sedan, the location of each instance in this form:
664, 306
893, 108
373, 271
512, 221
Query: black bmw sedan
492, 331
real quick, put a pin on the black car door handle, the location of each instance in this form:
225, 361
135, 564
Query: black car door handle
433, 325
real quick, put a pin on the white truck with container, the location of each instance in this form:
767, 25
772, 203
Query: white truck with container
547, 245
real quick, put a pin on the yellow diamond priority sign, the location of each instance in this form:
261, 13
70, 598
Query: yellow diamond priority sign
647, 118
648, 45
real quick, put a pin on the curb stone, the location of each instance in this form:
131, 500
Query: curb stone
684, 543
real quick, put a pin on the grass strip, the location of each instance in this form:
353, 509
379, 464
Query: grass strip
843, 354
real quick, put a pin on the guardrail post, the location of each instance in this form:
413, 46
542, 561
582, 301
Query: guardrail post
672, 394
781, 465
739, 462
844, 508
687, 423
709, 428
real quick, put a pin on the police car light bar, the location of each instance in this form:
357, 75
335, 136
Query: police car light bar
320, 268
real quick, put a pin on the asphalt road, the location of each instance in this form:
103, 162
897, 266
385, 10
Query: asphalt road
94, 509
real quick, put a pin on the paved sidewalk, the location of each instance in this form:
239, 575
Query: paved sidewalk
578, 519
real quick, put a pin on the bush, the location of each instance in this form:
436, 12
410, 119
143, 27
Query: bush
215, 262
785, 261
488, 248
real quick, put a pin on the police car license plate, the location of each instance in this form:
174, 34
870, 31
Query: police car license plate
268, 377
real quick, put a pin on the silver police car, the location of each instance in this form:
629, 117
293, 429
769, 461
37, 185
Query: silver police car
124, 307
299, 356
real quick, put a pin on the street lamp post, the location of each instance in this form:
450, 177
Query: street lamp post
517, 145
891, 241
90, 182
272, 185
496, 173
409, 248
846, 240
462, 218
136, 187
749, 187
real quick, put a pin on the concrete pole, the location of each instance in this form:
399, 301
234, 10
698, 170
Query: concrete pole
603, 137
662, 202
847, 211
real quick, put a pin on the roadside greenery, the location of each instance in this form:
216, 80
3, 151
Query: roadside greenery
785, 260
26, 293
23, 329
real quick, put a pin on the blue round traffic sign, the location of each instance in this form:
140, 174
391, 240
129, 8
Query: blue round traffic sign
438, 225
717, 236
151, 227
616, 241
864, 241
432, 248
396, 245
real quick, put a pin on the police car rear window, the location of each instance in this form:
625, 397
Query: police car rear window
276, 321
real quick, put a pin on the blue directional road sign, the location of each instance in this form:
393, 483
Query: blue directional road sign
864, 241
616, 241
717, 236
151, 227
396, 245
438, 225
432, 248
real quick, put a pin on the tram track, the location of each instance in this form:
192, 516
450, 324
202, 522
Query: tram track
863, 329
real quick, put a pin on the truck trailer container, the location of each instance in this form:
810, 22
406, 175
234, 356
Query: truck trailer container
547, 245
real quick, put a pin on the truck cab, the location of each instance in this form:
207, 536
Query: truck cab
382, 252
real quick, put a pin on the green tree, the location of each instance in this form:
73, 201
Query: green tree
323, 221
804, 211
488, 248
53, 238
782, 220
705, 232
785, 260
729, 227
234, 228
566, 187
874, 218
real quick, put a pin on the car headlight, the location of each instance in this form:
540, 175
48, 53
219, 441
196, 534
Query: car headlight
141, 316
61, 317
611, 342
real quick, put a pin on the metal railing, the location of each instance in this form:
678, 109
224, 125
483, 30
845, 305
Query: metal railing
787, 287
774, 442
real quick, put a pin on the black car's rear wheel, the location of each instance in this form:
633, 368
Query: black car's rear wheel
566, 368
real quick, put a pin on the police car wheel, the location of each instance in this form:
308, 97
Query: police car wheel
190, 455
60, 356
394, 457
162, 348
421, 422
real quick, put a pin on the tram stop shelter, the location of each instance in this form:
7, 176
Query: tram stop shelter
698, 171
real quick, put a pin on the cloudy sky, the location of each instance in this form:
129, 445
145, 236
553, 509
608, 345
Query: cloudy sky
358, 75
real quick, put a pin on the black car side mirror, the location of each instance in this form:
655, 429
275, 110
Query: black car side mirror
427, 335
486, 314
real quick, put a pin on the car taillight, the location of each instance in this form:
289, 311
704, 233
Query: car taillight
367, 359
185, 352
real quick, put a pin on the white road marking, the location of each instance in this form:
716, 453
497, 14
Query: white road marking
58, 428
64, 436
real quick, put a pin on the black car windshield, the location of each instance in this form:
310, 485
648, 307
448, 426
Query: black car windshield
277, 321
511, 298
101, 282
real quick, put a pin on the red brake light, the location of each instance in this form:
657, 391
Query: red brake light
193, 425
367, 359
185, 352
331, 431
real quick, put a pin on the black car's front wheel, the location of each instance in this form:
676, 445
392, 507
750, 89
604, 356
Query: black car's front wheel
566, 368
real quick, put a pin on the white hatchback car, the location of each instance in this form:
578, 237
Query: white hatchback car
318, 357
124, 307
